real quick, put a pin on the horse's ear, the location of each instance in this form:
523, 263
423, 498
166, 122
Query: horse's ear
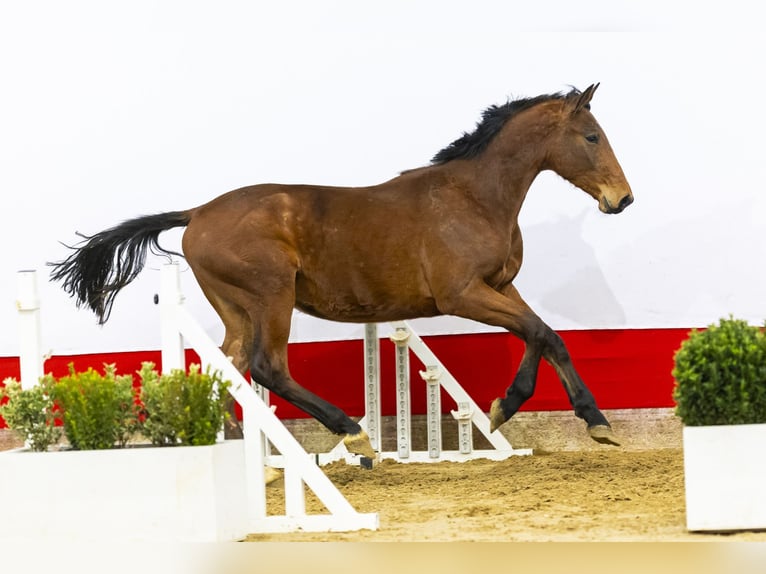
583, 99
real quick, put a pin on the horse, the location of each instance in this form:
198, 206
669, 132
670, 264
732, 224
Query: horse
442, 239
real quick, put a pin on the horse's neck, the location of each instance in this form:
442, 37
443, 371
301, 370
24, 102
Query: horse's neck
502, 183
515, 157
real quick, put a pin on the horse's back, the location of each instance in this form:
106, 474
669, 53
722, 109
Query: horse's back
305, 215
354, 253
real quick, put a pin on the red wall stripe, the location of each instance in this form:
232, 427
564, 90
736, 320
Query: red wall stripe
624, 368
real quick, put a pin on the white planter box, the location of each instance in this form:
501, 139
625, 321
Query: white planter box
725, 477
194, 494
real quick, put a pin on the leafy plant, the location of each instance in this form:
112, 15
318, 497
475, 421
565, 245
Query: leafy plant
181, 408
98, 411
29, 412
101, 411
720, 375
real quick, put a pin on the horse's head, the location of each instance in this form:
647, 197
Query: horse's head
580, 153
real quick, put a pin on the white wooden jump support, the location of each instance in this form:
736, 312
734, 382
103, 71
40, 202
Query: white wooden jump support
437, 377
28, 306
260, 424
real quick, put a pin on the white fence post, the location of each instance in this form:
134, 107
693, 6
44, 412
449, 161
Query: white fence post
171, 297
28, 305
255, 460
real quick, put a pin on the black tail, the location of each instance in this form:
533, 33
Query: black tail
107, 261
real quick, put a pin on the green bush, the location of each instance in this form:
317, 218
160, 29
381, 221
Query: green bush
720, 375
29, 412
98, 411
101, 411
183, 409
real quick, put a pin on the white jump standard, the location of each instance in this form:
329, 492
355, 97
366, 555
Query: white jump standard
437, 377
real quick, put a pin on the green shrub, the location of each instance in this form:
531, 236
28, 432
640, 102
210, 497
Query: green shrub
29, 412
720, 375
98, 411
101, 411
181, 408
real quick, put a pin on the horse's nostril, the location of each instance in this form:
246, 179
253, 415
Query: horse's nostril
625, 202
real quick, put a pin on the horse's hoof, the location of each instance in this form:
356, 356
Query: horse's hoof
603, 434
496, 416
359, 444
270, 475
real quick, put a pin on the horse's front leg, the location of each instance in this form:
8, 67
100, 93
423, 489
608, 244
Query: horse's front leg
521, 389
507, 309
580, 397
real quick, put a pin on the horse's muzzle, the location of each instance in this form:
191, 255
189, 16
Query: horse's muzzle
623, 203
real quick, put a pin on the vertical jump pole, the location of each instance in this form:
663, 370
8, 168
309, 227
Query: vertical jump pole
463, 416
433, 409
372, 384
400, 337
28, 304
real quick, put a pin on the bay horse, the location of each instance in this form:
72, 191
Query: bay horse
436, 240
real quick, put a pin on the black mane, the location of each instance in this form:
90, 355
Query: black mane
470, 145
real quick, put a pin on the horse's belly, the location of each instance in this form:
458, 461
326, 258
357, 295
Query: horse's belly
367, 314
363, 303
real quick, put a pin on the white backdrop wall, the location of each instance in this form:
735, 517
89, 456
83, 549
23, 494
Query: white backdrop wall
112, 110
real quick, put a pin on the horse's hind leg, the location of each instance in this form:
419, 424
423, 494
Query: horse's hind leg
269, 368
255, 299
237, 341
236, 344
271, 319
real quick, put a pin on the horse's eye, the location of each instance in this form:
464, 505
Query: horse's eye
592, 138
